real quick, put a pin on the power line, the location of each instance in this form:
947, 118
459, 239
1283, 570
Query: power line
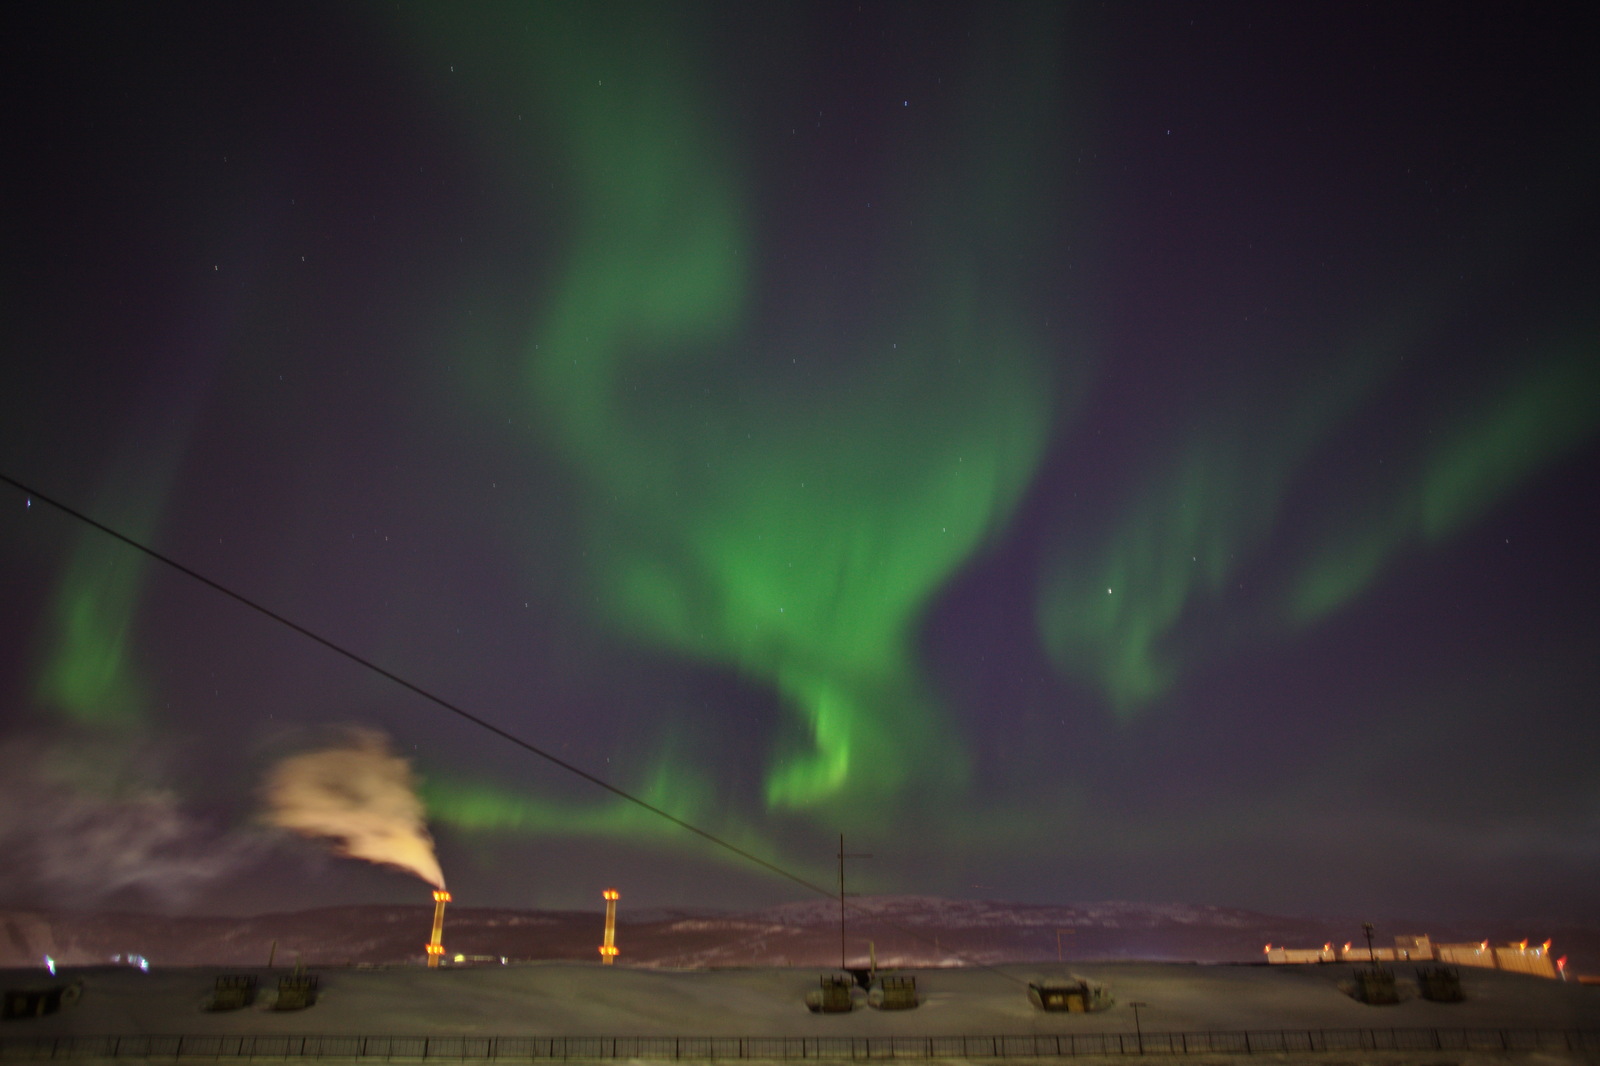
439, 701
460, 712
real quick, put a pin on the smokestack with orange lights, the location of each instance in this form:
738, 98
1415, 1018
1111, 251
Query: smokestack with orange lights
436, 945
608, 950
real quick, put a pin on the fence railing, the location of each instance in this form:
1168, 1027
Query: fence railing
1039, 1045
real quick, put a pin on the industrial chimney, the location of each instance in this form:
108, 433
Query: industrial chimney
436, 945
608, 950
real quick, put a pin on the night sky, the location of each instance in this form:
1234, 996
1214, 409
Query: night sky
1142, 451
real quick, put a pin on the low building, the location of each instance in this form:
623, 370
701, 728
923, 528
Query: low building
1301, 955
1516, 957
1520, 958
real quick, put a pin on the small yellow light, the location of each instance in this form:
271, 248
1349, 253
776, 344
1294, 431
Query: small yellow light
611, 893
441, 896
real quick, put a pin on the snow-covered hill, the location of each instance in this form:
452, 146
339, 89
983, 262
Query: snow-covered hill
902, 930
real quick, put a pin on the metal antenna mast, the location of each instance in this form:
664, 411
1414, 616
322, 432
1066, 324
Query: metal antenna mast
842, 857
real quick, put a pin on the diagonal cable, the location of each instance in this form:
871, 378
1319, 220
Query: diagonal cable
461, 712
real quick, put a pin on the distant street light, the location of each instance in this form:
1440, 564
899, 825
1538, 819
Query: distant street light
1366, 927
1137, 1030
1059, 932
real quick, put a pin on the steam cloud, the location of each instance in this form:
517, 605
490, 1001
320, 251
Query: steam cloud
359, 794
84, 823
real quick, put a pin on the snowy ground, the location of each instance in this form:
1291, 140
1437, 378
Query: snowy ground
576, 1000
570, 999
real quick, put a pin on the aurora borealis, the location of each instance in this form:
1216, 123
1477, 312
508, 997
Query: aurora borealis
1141, 453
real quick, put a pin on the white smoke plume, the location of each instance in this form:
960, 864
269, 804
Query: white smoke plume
82, 822
360, 795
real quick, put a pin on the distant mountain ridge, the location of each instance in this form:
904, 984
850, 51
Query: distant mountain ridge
909, 931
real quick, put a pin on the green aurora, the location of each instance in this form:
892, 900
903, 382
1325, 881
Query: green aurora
1509, 436
790, 517
89, 674
1022, 438
1124, 616
89, 670
1159, 592
786, 500
1107, 613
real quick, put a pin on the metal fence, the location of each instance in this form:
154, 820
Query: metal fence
540, 1048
